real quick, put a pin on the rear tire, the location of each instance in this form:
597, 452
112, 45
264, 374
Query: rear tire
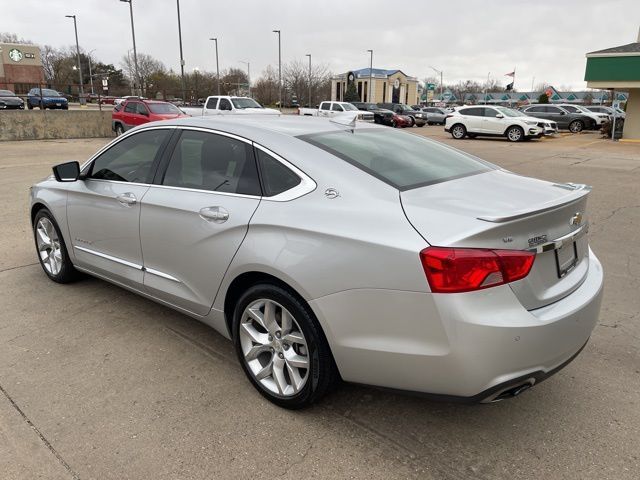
576, 126
412, 121
276, 334
119, 129
458, 131
51, 249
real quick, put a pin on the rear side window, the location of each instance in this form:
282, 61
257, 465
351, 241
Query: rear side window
325, 106
552, 109
276, 177
206, 161
131, 107
131, 159
212, 103
474, 112
400, 159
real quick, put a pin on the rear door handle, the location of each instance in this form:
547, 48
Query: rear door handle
127, 199
214, 214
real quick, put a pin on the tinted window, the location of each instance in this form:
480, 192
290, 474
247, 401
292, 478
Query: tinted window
212, 103
571, 109
141, 109
535, 110
325, 106
131, 159
490, 112
164, 108
336, 107
225, 104
474, 112
206, 161
400, 159
131, 107
276, 178
552, 110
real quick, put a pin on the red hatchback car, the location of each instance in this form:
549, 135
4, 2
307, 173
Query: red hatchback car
136, 111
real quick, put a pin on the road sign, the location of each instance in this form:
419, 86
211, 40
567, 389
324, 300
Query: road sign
431, 86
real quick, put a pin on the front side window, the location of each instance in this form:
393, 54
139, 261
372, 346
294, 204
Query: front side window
164, 108
242, 103
349, 108
276, 177
131, 159
400, 159
490, 112
552, 110
206, 161
535, 110
141, 109
336, 107
131, 107
225, 104
571, 109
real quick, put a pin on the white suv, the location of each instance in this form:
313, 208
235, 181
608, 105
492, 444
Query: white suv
493, 121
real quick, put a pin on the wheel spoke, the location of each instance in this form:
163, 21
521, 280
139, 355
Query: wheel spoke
295, 360
256, 350
286, 322
296, 379
257, 316
278, 374
255, 335
294, 337
42, 235
265, 372
270, 317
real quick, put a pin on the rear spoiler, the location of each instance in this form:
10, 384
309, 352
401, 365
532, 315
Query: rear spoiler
577, 191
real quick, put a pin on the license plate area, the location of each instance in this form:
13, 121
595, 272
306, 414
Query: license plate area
566, 258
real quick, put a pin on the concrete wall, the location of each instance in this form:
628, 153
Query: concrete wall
36, 125
632, 120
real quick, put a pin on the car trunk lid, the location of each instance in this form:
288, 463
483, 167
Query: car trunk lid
502, 210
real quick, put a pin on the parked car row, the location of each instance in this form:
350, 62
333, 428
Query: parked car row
9, 101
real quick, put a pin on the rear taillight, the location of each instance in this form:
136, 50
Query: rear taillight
452, 270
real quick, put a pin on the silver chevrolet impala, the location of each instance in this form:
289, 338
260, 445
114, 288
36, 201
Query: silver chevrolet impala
331, 251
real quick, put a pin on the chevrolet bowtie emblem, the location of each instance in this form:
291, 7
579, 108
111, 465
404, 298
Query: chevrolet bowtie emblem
576, 219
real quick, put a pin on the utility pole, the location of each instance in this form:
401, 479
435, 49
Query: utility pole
309, 55
279, 68
135, 52
217, 66
90, 73
184, 88
438, 72
75, 27
248, 74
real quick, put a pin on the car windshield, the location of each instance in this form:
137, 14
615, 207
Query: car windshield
243, 103
47, 92
509, 112
6, 93
405, 107
348, 107
400, 159
571, 108
163, 108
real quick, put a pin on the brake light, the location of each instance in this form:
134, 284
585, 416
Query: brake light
454, 270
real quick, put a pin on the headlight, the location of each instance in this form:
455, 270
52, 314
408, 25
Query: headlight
530, 122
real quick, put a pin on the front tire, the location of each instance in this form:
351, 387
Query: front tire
281, 347
52, 251
515, 134
119, 129
458, 131
412, 121
576, 126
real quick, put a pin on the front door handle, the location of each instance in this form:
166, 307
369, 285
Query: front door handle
214, 214
127, 199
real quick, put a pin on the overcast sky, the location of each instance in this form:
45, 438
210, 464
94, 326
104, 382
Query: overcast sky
545, 39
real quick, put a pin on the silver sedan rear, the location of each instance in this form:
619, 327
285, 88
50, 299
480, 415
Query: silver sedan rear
329, 251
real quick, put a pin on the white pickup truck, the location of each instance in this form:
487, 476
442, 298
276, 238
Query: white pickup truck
227, 105
331, 109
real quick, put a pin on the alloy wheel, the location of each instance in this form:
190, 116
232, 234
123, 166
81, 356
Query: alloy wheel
274, 347
514, 134
49, 247
458, 131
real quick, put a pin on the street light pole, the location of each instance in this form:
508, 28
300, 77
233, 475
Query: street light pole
90, 73
248, 74
75, 27
438, 72
217, 66
184, 89
370, 76
309, 55
279, 68
135, 52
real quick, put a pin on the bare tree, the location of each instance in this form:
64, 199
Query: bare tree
296, 82
7, 37
147, 66
265, 89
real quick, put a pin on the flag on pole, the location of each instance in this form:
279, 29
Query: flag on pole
509, 87
512, 74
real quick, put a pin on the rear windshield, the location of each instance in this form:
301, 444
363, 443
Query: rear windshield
163, 108
6, 93
403, 160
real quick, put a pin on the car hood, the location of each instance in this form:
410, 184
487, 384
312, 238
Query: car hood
11, 100
259, 111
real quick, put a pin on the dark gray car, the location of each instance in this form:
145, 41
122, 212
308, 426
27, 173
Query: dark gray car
9, 100
574, 122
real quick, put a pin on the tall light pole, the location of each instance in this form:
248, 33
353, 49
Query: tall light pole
309, 55
196, 70
438, 72
91, 73
135, 52
370, 76
217, 65
279, 68
248, 74
75, 27
184, 89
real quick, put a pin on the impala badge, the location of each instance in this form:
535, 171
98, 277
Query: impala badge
576, 219
537, 240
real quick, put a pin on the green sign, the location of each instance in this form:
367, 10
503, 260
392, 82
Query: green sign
431, 86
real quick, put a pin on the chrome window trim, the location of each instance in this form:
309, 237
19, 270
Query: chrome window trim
198, 190
160, 274
109, 257
306, 185
559, 242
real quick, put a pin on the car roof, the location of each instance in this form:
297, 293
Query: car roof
250, 126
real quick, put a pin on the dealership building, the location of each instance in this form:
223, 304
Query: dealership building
386, 86
20, 67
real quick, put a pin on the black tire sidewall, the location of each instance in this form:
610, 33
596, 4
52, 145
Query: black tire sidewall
521, 134
67, 272
321, 362
464, 129
577, 122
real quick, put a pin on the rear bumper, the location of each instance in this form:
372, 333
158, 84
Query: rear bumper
469, 346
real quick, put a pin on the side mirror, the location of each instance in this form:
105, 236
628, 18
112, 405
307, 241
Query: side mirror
499, 115
563, 113
67, 172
